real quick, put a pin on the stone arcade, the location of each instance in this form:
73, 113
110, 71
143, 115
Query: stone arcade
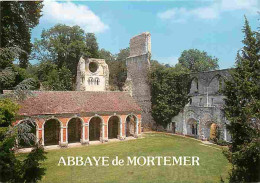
63, 117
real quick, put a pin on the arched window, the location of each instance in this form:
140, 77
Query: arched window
194, 86
97, 81
90, 81
82, 79
216, 84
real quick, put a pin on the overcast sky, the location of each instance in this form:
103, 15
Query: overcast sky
212, 26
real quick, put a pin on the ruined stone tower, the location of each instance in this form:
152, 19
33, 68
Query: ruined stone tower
138, 65
92, 75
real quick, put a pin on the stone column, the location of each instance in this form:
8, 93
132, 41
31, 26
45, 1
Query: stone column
136, 128
104, 137
63, 137
40, 130
85, 136
120, 136
122, 127
40, 135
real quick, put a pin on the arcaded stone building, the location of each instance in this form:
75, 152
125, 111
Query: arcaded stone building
63, 117
204, 112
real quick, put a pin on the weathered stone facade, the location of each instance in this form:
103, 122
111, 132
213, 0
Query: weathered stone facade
138, 65
205, 107
92, 75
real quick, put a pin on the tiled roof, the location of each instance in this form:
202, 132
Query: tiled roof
67, 102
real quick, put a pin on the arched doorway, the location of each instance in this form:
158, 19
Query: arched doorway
95, 128
113, 127
74, 130
192, 127
210, 131
131, 121
213, 131
52, 132
27, 136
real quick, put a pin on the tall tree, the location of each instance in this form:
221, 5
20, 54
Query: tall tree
117, 67
197, 61
242, 109
17, 20
64, 45
11, 168
91, 45
169, 90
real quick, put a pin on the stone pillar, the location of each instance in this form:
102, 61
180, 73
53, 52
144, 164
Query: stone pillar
138, 65
40, 135
40, 130
120, 136
64, 138
104, 137
122, 127
136, 128
139, 124
85, 135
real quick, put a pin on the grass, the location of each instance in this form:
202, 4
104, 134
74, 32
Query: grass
213, 165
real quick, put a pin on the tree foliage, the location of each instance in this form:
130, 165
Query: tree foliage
117, 67
11, 168
169, 90
63, 46
12, 76
17, 20
242, 110
197, 61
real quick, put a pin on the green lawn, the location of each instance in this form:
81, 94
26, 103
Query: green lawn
213, 164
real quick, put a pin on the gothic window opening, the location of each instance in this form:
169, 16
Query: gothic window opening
194, 86
131, 121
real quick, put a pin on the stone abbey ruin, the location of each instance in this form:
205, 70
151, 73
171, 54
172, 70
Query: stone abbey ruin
94, 113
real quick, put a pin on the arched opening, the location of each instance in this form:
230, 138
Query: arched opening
95, 128
192, 127
216, 84
113, 127
194, 88
52, 132
93, 67
74, 130
207, 130
213, 131
26, 134
90, 81
131, 121
97, 81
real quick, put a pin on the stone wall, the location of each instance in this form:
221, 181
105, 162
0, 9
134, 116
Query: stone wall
206, 105
140, 44
88, 80
138, 65
63, 121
